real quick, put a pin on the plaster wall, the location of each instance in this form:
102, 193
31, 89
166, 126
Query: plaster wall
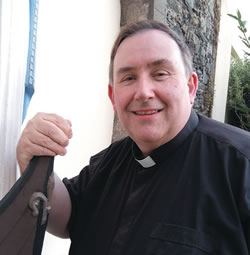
222, 63
73, 47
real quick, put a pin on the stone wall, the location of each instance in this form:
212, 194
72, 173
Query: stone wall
197, 21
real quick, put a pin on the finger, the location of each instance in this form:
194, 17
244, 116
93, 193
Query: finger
70, 124
61, 123
38, 150
45, 125
52, 132
46, 144
24, 156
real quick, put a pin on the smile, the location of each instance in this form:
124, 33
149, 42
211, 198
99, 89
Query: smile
146, 112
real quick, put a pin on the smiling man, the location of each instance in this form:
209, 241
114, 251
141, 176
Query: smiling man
151, 87
178, 184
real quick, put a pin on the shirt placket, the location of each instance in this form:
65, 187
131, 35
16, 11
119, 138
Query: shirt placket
130, 212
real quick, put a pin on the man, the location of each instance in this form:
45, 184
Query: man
179, 184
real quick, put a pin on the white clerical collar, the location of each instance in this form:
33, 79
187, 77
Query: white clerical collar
146, 162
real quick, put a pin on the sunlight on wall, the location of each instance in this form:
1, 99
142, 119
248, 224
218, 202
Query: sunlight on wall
222, 64
74, 43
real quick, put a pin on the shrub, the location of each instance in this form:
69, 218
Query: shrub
238, 101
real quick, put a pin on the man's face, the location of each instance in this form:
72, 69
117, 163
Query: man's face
151, 93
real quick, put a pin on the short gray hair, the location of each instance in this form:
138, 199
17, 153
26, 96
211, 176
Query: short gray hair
135, 28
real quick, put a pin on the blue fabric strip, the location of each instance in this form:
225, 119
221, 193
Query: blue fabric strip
30, 69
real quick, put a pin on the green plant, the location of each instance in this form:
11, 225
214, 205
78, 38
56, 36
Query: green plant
238, 102
242, 27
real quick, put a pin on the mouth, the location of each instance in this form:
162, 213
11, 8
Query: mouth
146, 112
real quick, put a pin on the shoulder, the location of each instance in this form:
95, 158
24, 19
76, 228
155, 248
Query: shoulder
99, 163
226, 134
116, 150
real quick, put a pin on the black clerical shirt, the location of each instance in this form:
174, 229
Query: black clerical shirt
190, 196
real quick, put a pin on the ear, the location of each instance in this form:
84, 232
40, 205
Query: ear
111, 96
193, 86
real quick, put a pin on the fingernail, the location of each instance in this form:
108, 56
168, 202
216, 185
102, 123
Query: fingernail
63, 152
70, 135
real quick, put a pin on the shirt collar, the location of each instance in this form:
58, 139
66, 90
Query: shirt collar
161, 153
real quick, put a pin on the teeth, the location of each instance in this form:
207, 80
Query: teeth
146, 113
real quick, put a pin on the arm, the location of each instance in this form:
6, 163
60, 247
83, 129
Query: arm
60, 210
48, 134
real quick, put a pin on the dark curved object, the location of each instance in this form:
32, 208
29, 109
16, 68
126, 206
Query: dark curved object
24, 210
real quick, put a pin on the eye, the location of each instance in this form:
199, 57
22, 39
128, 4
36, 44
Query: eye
128, 79
161, 74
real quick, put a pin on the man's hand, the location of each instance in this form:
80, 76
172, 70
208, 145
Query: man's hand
45, 134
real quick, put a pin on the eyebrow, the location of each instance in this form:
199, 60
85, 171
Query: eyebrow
154, 63
125, 69
160, 62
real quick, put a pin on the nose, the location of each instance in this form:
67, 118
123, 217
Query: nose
144, 89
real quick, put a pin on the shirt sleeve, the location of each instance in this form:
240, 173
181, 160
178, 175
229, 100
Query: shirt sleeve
244, 201
79, 189
76, 187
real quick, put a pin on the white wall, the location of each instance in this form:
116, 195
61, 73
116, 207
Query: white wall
222, 63
74, 43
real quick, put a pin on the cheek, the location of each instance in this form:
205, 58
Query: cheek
122, 98
167, 94
173, 94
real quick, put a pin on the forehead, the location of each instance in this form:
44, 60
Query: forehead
147, 46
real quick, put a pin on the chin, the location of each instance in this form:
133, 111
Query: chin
148, 138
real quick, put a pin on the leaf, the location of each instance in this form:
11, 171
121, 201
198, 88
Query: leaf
232, 16
247, 44
243, 39
241, 23
238, 14
247, 125
241, 29
244, 22
248, 54
247, 117
242, 108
